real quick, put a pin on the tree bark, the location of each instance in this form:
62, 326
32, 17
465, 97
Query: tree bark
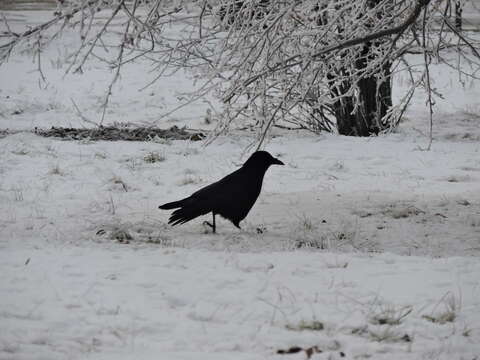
458, 15
374, 97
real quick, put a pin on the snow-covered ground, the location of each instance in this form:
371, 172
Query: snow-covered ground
362, 248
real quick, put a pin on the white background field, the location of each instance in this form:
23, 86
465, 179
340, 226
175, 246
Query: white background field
374, 238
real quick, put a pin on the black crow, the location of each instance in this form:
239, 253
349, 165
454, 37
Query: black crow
231, 197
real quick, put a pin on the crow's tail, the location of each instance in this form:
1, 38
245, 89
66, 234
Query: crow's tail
186, 210
171, 205
187, 213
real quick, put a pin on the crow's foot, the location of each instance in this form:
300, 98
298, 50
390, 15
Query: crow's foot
212, 226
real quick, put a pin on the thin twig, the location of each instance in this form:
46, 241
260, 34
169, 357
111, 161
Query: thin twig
426, 59
39, 56
80, 114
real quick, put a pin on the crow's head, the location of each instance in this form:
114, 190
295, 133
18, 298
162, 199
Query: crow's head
262, 159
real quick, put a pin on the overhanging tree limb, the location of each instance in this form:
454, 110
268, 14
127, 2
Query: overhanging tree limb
395, 30
293, 60
6, 48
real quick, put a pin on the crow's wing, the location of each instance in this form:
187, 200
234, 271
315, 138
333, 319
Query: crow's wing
215, 197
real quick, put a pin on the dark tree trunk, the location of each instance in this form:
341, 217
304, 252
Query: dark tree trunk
458, 15
374, 97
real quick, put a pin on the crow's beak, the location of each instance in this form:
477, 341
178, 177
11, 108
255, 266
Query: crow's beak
277, 162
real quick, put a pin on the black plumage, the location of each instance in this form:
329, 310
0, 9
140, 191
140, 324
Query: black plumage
231, 197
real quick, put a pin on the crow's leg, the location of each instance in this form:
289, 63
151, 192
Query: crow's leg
237, 224
212, 225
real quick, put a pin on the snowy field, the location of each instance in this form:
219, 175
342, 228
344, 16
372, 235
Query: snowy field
357, 248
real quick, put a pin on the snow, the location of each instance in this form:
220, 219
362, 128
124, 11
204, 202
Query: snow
152, 303
350, 233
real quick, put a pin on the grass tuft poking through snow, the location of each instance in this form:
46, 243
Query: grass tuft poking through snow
449, 307
388, 314
154, 157
56, 170
306, 325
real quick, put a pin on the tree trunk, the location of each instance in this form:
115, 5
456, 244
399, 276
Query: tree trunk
374, 97
374, 100
458, 15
